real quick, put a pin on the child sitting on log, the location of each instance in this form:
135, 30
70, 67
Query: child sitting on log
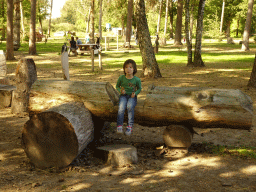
129, 86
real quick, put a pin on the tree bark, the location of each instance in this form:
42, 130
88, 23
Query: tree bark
32, 37
129, 23
171, 19
198, 62
188, 37
26, 75
22, 20
252, 80
50, 20
55, 137
247, 28
92, 23
159, 16
222, 17
9, 40
88, 20
16, 25
100, 18
178, 31
166, 18
150, 66
3, 16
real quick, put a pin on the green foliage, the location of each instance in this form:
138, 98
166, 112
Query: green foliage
242, 151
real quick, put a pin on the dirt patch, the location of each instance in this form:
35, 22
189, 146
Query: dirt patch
195, 169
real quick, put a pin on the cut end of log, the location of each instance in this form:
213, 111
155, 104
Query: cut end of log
49, 140
177, 136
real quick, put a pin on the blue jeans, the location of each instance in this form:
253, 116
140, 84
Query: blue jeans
129, 103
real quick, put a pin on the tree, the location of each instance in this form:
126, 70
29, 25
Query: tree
159, 16
150, 66
50, 20
171, 18
9, 40
16, 25
166, 17
179, 23
3, 20
246, 35
100, 19
222, 16
32, 37
92, 22
188, 34
129, 22
252, 80
198, 62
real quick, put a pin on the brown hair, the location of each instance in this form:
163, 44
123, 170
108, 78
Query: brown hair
128, 61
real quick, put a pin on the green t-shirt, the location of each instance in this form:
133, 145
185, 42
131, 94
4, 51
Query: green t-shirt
130, 85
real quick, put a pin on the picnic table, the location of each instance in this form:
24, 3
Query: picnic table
86, 48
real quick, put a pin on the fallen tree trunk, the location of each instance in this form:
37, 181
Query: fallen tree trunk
198, 107
98, 97
55, 137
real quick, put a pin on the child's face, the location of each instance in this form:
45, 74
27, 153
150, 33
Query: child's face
128, 69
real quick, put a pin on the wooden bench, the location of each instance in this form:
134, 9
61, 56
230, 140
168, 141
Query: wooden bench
86, 48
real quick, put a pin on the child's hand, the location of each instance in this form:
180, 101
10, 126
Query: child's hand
132, 95
123, 91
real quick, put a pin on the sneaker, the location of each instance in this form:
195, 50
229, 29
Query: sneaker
128, 131
120, 129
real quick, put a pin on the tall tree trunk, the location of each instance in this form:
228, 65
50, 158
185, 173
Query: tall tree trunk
191, 20
171, 18
222, 17
188, 37
166, 18
100, 19
247, 28
252, 80
123, 30
228, 29
92, 22
3, 16
22, 20
129, 22
237, 26
9, 41
179, 23
50, 20
88, 21
159, 16
16, 25
32, 37
150, 66
198, 62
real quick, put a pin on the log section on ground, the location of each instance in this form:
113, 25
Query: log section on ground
55, 137
198, 107
99, 97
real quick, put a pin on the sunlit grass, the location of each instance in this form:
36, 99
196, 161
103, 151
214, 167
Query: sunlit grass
242, 151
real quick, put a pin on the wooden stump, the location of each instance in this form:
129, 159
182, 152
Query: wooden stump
3, 68
26, 75
6, 95
65, 65
55, 137
177, 136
